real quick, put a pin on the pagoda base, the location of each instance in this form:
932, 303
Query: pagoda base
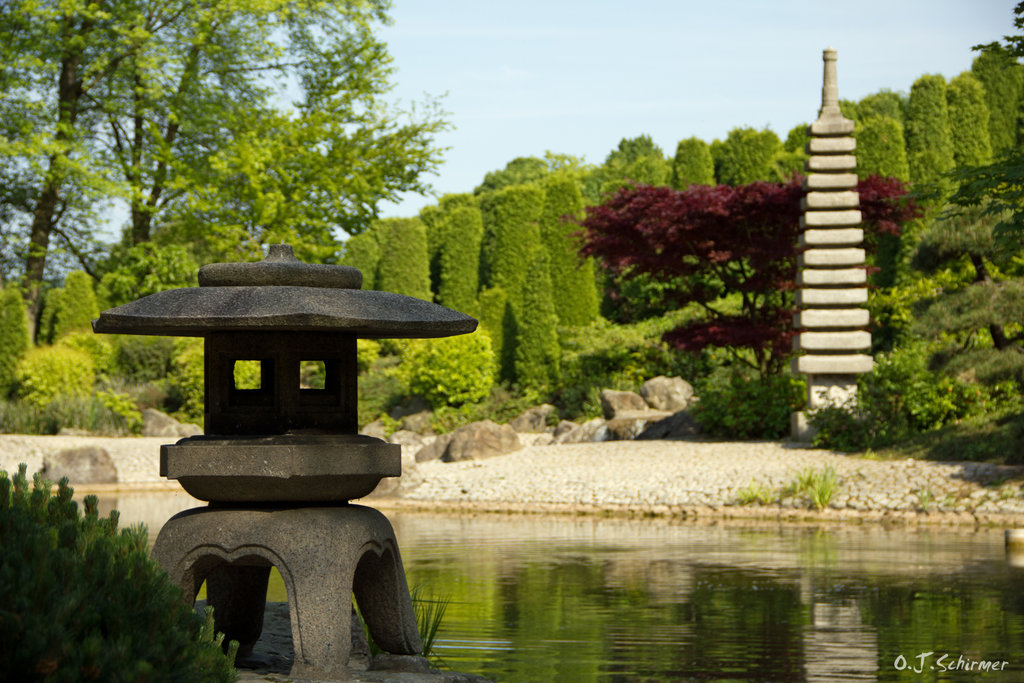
325, 556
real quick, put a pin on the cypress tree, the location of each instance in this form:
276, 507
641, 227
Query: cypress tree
511, 232
403, 267
459, 258
968, 121
44, 330
362, 252
929, 139
635, 160
434, 218
1003, 80
537, 350
497, 319
692, 164
882, 103
881, 148
76, 307
574, 287
14, 336
745, 156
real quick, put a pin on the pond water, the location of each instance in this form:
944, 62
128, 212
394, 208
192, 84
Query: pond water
584, 599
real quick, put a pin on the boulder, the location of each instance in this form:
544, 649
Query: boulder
83, 465
680, 425
627, 425
670, 394
591, 430
479, 440
376, 429
419, 423
564, 427
433, 450
411, 477
533, 420
409, 441
414, 405
614, 402
156, 423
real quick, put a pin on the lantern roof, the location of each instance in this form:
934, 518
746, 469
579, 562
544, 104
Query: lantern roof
282, 294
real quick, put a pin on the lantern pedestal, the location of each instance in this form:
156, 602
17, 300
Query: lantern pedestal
325, 556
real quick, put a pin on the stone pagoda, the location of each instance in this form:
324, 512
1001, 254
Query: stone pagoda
281, 460
832, 283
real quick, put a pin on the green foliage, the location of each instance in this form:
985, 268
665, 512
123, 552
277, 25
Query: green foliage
47, 373
83, 602
145, 269
511, 232
105, 413
968, 121
14, 336
882, 103
929, 138
451, 370
881, 148
692, 164
819, 486
363, 252
404, 267
100, 350
635, 160
367, 352
461, 233
186, 379
76, 306
516, 172
746, 155
44, 330
497, 319
142, 358
737, 406
537, 350
1003, 80
573, 281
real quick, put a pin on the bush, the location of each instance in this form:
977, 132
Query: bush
82, 602
186, 380
451, 370
737, 405
96, 346
75, 307
47, 372
107, 413
142, 358
14, 336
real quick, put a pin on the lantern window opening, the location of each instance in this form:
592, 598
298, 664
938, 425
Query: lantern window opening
312, 375
252, 382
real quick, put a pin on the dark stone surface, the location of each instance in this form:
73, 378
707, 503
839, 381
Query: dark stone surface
680, 425
292, 468
533, 420
280, 267
84, 465
478, 440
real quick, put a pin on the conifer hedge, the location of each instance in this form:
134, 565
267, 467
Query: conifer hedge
1003, 79
14, 336
929, 139
76, 306
968, 121
745, 156
404, 267
692, 164
573, 282
881, 148
511, 232
462, 231
363, 252
537, 350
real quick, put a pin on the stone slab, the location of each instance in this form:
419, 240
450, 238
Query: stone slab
830, 181
831, 237
857, 340
841, 199
832, 276
816, 219
832, 126
851, 256
831, 297
831, 318
841, 162
834, 365
838, 145
290, 468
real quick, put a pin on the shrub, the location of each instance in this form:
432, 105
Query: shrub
107, 413
96, 346
186, 379
75, 307
404, 267
14, 336
367, 351
736, 405
692, 164
82, 602
143, 358
48, 372
451, 370
145, 269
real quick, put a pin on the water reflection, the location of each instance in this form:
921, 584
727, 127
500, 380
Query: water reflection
583, 599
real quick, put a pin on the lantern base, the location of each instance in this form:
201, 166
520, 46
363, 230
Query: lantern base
292, 468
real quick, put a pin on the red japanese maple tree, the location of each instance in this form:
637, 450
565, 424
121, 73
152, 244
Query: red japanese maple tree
712, 242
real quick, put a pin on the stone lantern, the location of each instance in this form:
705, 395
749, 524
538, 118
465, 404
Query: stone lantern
280, 461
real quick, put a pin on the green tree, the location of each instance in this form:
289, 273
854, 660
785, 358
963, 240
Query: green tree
144, 269
462, 232
537, 350
76, 307
574, 284
881, 148
929, 138
745, 156
1002, 76
14, 336
883, 103
516, 172
362, 251
636, 160
968, 121
434, 217
172, 109
692, 164
497, 319
403, 266
511, 232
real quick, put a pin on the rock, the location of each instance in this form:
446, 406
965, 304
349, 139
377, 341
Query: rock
591, 430
73, 431
680, 425
418, 422
564, 427
670, 394
83, 465
435, 449
407, 440
627, 425
533, 420
479, 440
414, 405
613, 402
376, 429
414, 664
156, 423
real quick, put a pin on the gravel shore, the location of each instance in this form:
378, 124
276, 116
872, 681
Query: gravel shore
678, 478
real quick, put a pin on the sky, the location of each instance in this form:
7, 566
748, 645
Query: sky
577, 76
